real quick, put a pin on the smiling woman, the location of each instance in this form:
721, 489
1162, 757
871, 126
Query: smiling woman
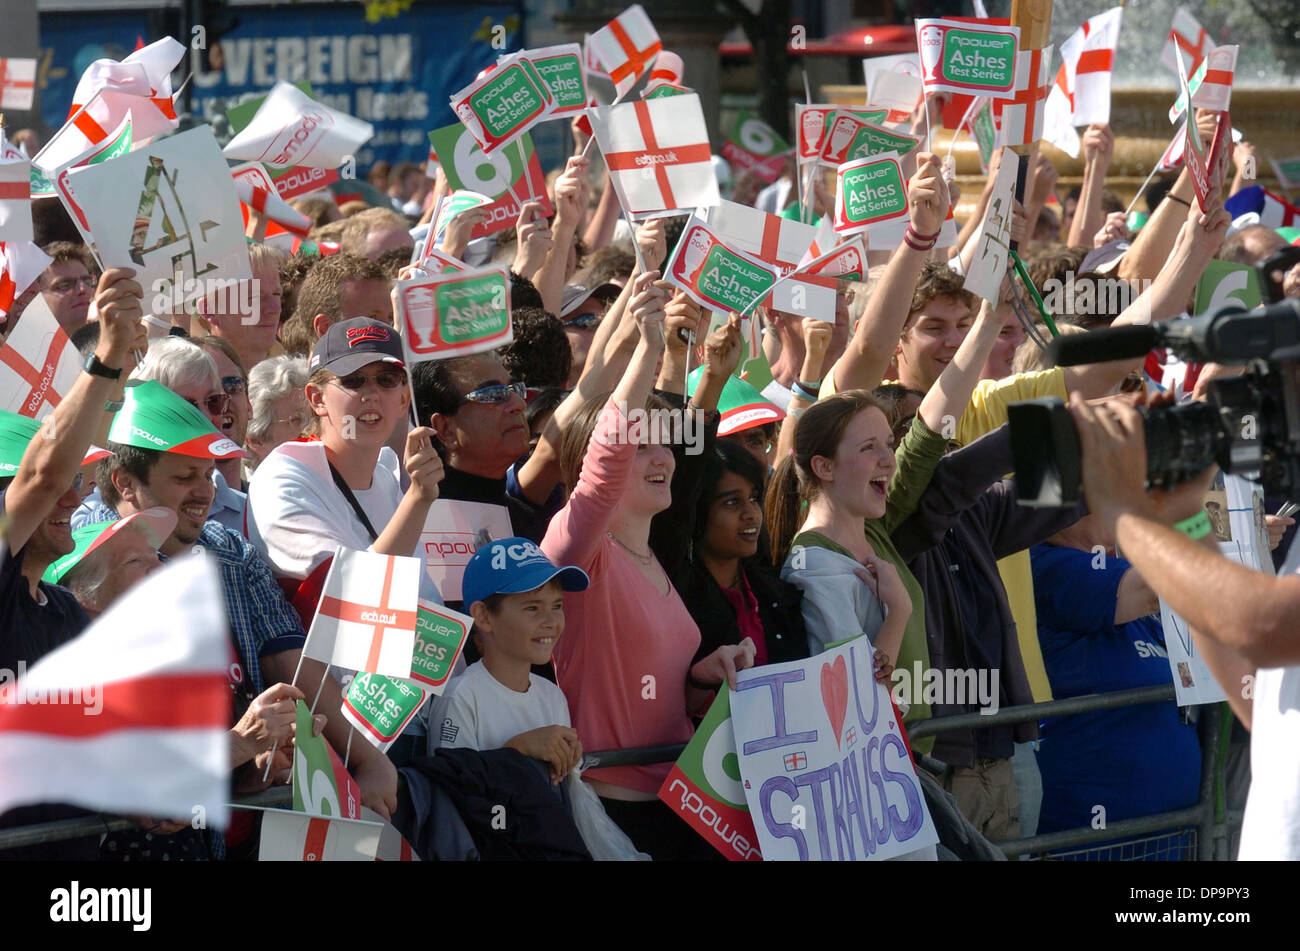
308, 497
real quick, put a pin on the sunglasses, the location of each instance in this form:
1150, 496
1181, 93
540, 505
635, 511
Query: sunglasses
495, 393
386, 379
583, 321
234, 385
216, 405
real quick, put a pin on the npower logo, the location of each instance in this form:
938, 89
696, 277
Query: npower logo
300, 137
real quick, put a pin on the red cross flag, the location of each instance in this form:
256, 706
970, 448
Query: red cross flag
140, 85
1086, 60
1172, 157
658, 154
770, 238
625, 47
1211, 84
133, 716
38, 364
291, 128
1021, 120
1058, 119
825, 256
366, 616
1190, 37
21, 262
17, 83
668, 71
15, 199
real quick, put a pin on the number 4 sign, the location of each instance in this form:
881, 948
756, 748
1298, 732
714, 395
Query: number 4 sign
169, 211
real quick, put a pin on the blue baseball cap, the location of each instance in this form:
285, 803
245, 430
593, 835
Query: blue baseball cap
512, 566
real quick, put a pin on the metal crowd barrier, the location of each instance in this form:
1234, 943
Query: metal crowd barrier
1202, 830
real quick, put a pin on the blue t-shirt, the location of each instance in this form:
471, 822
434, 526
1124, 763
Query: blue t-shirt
1134, 761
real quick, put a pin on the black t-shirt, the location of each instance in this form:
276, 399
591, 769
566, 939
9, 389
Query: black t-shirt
28, 630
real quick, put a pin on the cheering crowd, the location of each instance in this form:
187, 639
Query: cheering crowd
864, 490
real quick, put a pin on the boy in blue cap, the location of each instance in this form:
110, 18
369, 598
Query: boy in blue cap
514, 594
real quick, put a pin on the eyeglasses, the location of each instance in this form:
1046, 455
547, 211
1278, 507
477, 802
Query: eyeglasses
495, 393
387, 380
216, 405
67, 285
583, 321
234, 385
298, 420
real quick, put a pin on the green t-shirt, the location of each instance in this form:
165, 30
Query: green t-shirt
917, 456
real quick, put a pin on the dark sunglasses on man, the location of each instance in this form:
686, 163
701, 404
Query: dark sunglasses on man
495, 393
216, 405
385, 379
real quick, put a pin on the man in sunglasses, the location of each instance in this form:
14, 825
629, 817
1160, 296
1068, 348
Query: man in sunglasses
234, 422
477, 414
580, 314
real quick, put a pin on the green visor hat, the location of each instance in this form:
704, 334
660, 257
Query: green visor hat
153, 417
16, 432
156, 523
742, 407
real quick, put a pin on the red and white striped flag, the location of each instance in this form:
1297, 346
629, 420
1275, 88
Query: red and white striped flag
1190, 37
1211, 84
38, 364
770, 238
140, 85
280, 214
1086, 60
133, 715
21, 262
300, 837
625, 48
17, 83
366, 616
1021, 119
658, 154
15, 197
291, 128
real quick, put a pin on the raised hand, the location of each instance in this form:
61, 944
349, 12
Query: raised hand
927, 195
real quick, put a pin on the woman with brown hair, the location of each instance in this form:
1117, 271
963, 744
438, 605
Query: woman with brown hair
625, 660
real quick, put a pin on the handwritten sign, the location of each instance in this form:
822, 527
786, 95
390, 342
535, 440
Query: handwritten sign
993, 240
824, 767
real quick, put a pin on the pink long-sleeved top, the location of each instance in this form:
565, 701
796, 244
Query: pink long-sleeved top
626, 650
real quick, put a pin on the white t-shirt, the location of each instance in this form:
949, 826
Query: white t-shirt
297, 516
1271, 828
478, 712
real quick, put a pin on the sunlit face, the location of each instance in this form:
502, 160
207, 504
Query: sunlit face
484, 437
735, 518
234, 422
525, 627
208, 398
252, 333
649, 488
366, 299
180, 483
68, 288
930, 343
358, 411
53, 537
858, 476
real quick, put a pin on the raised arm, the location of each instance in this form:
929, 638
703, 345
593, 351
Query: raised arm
943, 405
1198, 241
53, 458
570, 203
1098, 148
868, 353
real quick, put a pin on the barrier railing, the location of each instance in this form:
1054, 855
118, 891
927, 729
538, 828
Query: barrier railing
1210, 825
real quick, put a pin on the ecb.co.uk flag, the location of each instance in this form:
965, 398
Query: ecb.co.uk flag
366, 617
1211, 83
38, 363
1188, 37
1021, 118
658, 154
17, 83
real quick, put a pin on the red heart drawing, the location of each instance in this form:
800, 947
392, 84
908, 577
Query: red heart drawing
835, 694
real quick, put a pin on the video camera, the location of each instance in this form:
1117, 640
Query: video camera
1249, 425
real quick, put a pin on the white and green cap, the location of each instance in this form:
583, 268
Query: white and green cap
153, 417
16, 432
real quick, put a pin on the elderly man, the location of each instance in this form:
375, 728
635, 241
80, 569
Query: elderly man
108, 558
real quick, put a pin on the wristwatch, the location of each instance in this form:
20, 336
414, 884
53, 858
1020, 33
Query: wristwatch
94, 367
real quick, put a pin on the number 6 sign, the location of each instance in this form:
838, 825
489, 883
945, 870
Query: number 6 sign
321, 786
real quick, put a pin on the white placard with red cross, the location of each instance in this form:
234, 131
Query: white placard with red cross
625, 48
658, 154
366, 616
1021, 118
38, 364
17, 83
